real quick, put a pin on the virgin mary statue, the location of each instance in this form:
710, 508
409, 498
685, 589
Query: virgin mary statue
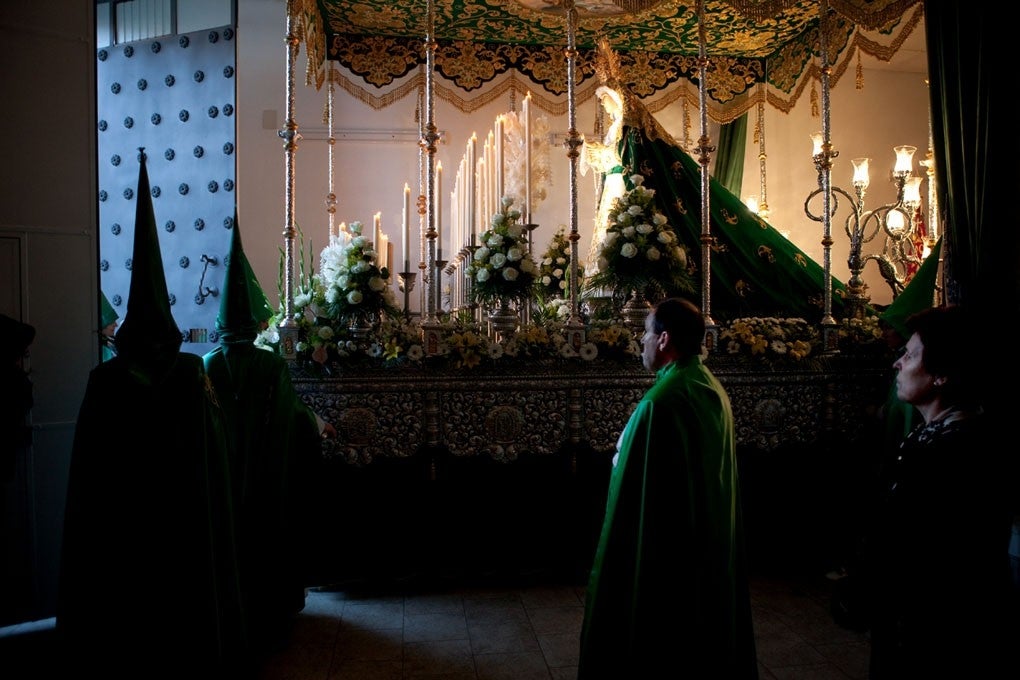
755, 270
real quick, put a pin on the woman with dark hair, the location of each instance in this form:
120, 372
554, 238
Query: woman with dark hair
936, 558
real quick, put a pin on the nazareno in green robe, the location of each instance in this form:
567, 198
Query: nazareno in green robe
669, 583
149, 581
275, 448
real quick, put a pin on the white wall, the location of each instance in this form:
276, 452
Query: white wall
369, 177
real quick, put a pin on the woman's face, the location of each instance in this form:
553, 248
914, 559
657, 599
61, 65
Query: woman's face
914, 384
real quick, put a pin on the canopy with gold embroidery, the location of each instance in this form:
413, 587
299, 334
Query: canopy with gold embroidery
748, 41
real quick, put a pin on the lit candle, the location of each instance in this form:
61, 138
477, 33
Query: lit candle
816, 142
407, 228
377, 235
861, 178
904, 158
499, 157
439, 210
472, 187
384, 251
527, 158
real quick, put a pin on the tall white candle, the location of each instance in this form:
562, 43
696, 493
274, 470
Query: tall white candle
499, 157
526, 110
406, 232
377, 236
472, 210
439, 209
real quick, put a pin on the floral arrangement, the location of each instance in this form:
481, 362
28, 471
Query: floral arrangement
395, 343
554, 267
501, 268
350, 285
770, 338
640, 251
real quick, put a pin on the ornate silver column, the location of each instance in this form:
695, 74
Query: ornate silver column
575, 327
705, 150
431, 335
289, 134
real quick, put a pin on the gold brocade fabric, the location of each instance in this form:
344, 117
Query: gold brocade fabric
381, 42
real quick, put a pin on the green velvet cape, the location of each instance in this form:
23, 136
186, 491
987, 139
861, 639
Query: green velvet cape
275, 446
149, 581
669, 585
755, 270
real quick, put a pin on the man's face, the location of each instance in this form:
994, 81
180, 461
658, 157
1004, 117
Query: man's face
651, 345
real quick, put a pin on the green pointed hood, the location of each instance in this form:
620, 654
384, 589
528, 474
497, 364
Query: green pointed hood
149, 336
260, 306
236, 322
107, 314
919, 294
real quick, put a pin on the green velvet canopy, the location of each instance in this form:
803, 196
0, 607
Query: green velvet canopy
748, 41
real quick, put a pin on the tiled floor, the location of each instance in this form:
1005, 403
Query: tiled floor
524, 630
529, 632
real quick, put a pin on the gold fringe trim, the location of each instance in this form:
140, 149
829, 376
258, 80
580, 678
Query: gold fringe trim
870, 14
305, 15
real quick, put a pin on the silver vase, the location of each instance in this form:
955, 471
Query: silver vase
635, 311
503, 318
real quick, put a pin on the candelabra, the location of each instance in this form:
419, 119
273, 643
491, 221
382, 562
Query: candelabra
405, 279
903, 248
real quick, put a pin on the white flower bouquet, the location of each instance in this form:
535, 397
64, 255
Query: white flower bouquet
501, 268
350, 284
554, 268
640, 251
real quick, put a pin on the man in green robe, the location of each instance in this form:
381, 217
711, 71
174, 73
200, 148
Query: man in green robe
669, 585
149, 583
276, 446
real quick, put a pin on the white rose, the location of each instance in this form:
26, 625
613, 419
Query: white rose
628, 232
514, 254
659, 219
635, 210
561, 260
644, 228
653, 254
628, 250
497, 260
546, 280
376, 283
482, 275
360, 266
558, 273
610, 238
355, 297
481, 254
495, 241
510, 274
